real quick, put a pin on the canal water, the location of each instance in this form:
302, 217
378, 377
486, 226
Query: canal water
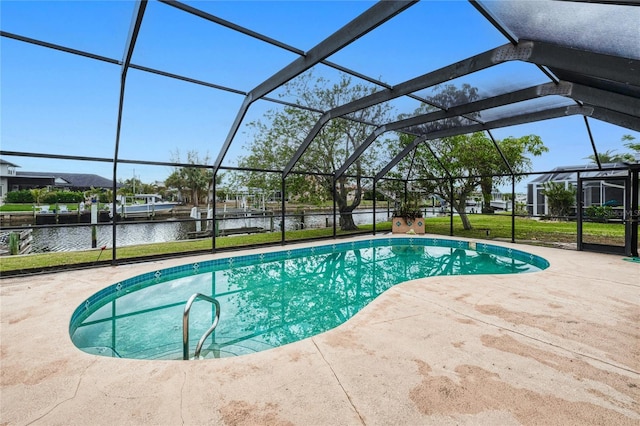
132, 233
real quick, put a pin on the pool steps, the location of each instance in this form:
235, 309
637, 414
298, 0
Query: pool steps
185, 325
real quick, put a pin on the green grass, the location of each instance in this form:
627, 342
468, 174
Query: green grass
87, 257
499, 226
25, 207
528, 230
16, 208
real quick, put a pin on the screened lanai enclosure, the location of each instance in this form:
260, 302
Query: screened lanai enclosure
138, 129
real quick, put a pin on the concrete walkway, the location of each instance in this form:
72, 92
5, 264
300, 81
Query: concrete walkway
557, 347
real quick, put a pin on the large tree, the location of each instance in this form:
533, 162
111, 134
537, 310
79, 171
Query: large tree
472, 160
130, 186
516, 151
278, 137
192, 182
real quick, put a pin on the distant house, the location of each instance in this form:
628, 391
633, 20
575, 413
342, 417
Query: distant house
604, 191
7, 171
13, 180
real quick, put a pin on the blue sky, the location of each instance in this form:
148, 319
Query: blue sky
56, 103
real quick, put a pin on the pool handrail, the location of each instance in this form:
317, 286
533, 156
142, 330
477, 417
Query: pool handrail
185, 325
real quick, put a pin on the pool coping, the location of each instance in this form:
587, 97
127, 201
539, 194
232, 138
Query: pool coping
413, 356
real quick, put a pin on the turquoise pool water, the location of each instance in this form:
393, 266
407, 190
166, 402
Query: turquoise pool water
270, 299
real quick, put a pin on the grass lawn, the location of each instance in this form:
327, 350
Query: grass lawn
88, 257
528, 230
496, 226
8, 208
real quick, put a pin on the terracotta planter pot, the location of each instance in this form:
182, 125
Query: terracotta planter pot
400, 225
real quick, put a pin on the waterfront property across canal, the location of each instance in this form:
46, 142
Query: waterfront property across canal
55, 239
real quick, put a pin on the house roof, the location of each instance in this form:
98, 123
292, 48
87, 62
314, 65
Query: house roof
8, 163
568, 173
76, 180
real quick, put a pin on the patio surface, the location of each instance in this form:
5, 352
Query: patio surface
557, 347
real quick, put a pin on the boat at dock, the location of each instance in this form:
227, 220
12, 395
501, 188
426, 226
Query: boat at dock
143, 205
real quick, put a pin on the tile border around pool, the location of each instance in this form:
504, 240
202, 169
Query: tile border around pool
145, 279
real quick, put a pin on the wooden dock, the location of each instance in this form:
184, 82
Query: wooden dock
16, 242
227, 232
70, 217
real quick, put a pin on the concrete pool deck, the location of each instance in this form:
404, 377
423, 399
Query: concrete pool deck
556, 347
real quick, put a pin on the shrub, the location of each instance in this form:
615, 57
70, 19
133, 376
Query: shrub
50, 198
599, 213
22, 196
63, 197
408, 212
368, 195
559, 199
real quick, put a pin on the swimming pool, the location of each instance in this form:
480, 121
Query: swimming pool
270, 299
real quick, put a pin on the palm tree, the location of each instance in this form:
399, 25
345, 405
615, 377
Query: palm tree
628, 157
609, 157
560, 199
37, 194
633, 146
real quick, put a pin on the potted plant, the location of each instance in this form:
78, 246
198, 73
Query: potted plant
407, 220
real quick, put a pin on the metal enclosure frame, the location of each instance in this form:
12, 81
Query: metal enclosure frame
602, 86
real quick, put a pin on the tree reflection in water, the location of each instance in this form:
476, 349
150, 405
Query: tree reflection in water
272, 303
